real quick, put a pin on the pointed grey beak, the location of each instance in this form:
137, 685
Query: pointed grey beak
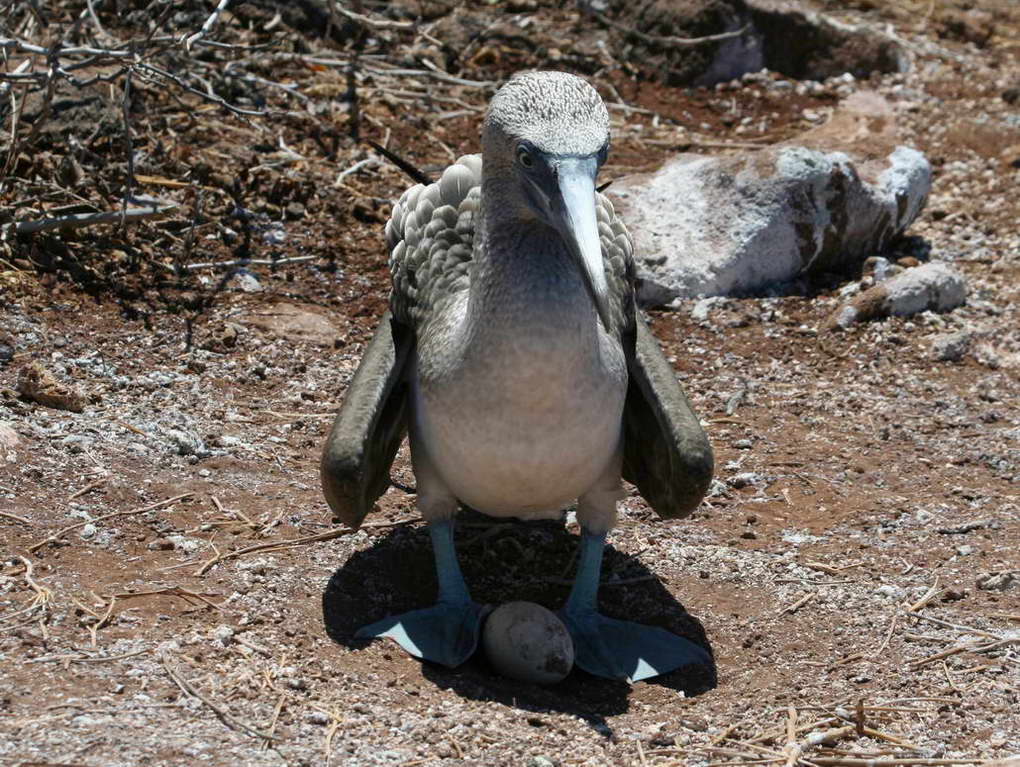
573, 214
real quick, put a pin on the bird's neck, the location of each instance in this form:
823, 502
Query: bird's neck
523, 274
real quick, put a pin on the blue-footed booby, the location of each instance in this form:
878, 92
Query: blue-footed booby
513, 357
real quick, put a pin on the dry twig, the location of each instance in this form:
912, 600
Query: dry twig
292, 542
222, 714
78, 220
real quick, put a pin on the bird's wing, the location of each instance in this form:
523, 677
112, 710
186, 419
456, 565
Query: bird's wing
666, 453
355, 465
429, 236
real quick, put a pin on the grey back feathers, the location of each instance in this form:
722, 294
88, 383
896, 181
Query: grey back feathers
430, 237
431, 240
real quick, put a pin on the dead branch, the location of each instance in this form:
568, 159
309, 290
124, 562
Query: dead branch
249, 262
16, 518
207, 26
78, 220
222, 714
669, 41
292, 542
368, 21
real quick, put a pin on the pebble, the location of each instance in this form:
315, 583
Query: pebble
951, 347
541, 761
245, 282
998, 581
223, 634
744, 479
9, 438
317, 717
88, 530
890, 592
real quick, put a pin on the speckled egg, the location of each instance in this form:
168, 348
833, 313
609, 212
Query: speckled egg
527, 642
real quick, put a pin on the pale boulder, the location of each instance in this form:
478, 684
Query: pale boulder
741, 223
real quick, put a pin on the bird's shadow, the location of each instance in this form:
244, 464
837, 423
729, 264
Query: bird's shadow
503, 562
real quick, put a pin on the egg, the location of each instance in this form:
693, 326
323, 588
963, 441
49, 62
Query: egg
527, 642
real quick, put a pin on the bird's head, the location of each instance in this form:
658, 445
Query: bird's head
545, 135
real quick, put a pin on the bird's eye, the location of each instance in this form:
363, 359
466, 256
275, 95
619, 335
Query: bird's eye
524, 158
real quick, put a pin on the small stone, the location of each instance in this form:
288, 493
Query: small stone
6, 349
160, 544
965, 550
223, 634
246, 282
541, 761
890, 592
88, 531
744, 479
998, 581
9, 438
36, 383
749, 535
317, 717
951, 347
294, 211
743, 444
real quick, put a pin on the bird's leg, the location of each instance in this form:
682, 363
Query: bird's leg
447, 632
618, 649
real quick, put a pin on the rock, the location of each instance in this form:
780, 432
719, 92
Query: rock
936, 287
223, 634
747, 221
1000, 581
294, 322
9, 438
527, 642
702, 308
187, 443
36, 383
951, 347
890, 592
246, 282
7, 345
541, 761
744, 479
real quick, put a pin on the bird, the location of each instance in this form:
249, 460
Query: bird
515, 360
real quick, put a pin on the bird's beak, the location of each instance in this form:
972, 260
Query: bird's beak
573, 214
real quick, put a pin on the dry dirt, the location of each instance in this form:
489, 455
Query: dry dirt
855, 569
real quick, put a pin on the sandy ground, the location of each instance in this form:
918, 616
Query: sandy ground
173, 590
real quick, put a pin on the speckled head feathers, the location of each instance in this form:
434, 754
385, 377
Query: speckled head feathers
558, 112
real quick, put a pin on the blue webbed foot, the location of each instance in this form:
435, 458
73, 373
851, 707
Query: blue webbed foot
618, 649
625, 650
445, 633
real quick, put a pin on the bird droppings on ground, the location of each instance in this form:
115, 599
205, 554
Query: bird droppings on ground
846, 623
